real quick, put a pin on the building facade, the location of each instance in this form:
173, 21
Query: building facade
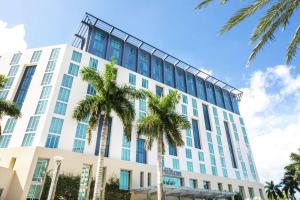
45, 84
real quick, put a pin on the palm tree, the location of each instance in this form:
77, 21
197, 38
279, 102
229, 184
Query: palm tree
7, 107
162, 121
109, 97
289, 185
273, 191
277, 16
295, 158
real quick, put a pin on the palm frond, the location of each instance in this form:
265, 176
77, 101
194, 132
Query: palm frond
91, 76
292, 48
170, 101
85, 107
92, 123
9, 108
3, 81
110, 74
203, 4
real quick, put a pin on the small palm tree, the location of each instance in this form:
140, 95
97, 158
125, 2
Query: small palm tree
295, 158
289, 185
6, 107
162, 122
109, 97
277, 16
273, 191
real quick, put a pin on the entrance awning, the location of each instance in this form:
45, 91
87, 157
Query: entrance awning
186, 192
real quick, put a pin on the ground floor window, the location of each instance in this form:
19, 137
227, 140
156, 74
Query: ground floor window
125, 180
193, 183
172, 181
206, 185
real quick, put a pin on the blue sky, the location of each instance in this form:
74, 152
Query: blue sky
270, 106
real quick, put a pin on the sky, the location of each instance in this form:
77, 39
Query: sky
270, 104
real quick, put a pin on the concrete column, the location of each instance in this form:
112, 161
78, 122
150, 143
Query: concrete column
55, 175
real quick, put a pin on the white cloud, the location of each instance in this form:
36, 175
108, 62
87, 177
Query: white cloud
271, 109
209, 72
12, 39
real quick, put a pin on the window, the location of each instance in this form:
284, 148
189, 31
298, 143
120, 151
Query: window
242, 191
141, 156
90, 90
193, 183
230, 145
24, 85
144, 63
175, 163
63, 94
15, 59
132, 79
54, 54
190, 81
227, 100
76, 56
261, 194
180, 79
149, 179
52, 141
50, 66
130, 57
56, 125
4, 140
184, 99
67, 81
172, 181
210, 93
142, 179
201, 92
189, 166
220, 186
124, 180
60, 108
9, 83
145, 83
189, 142
237, 175
33, 123
98, 43
28, 139
206, 185
13, 70
10, 125
78, 146
169, 74
159, 91
206, 117
201, 156
184, 110
230, 188
188, 153
235, 105
172, 150
195, 107
196, 134
125, 149
73, 69
214, 170
45, 92
36, 56
156, 69
115, 50
47, 78
41, 107
219, 97
142, 108
93, 63
202, 168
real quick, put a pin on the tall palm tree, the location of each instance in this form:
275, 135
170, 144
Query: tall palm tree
289, 185
295, 158
161, 122
109, 97
7, 108
276, 16
273, 191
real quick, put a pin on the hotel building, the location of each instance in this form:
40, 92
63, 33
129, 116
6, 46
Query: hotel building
45, 84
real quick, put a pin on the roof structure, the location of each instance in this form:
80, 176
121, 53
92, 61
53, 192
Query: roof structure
92, 21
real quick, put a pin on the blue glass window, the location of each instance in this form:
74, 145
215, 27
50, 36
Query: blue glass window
175, 163
188, 153
124, 180
24, 85
81, 131
235, 104
132, 79
180, 79
54, 54
200, 85
35, 56
98, 140
172, 150
141, 154
144, 63
4, 140
90, 90
202, 168
15, 59
159, 91
156, 69
52, 141
76, 56
219, 97
9, 83
130, 57
190, 81
56, 125
98, 43
172, 181
50, 66
169, 74
189, 142
93, 63
13, 70
214, 170
115, 50
227, 100
45, 92
184, 109
125, 149
47, 78
78, 146
196, 134
201, 156
28, 139
210, 93
230, 145
41, 107
10, 125
63, 94
184, 98
67, 81
60, 108
190, 167
73, 69
206, 117
145, 83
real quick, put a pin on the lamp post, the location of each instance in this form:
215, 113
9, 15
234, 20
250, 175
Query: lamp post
57, 164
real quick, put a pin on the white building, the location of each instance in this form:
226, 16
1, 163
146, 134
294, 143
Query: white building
45, 83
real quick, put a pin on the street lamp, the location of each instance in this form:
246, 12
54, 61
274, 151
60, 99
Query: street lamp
57, 163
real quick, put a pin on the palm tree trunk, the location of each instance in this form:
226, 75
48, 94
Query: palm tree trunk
100, 162
160, 192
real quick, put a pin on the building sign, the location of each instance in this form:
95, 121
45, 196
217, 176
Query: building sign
171, 172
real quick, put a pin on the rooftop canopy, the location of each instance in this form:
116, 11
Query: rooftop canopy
186, 192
